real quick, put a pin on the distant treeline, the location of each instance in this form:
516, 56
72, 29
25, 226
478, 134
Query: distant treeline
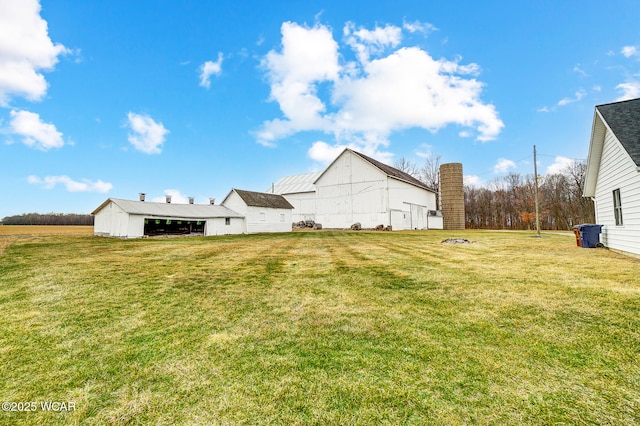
509, 202
49, 219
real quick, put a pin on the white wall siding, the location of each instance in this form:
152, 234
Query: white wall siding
262, 219
135, 226
102, 221
304, 204
218, 226
235, 203
618, 171
351, 191
413, 202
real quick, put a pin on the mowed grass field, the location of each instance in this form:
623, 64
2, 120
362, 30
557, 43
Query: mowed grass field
320, 328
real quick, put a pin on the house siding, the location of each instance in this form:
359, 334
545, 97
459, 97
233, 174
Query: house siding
618, 171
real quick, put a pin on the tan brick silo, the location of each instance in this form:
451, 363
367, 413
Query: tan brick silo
452, 195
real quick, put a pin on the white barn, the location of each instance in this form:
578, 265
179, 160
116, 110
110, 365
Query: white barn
263, 212
613, 174
134, 219
300, 192
357, 188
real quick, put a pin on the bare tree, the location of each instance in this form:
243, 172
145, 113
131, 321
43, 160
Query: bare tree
407, 166
430, 172
509, 202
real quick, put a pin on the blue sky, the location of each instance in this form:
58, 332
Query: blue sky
111, 98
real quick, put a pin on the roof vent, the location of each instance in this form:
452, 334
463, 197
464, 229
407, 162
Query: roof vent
212, 201
191, 200
168, 198
142, 194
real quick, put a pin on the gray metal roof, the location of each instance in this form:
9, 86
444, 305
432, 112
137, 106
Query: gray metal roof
623, 118
262, 199
295, 184
187, 211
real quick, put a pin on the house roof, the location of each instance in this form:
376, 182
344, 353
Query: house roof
388, 170
187, 211
262, 199
623, 119
295, 184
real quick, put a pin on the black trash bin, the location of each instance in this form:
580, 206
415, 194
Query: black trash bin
590, 234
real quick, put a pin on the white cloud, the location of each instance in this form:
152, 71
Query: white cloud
629, 51
208, 69
580, 71
371, 42
581, 93
35, 132
147, 136
370, 99
309, 56
84, 185
559, 165
25, 50
473, 181
503, 165
323, 152
426, 151
630, 90
176, 197
417, 26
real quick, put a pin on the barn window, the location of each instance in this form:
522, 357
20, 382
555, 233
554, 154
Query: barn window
282, 217
617, 206
263, 216
227, 221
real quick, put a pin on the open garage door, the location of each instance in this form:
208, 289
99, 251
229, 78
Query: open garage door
154, 226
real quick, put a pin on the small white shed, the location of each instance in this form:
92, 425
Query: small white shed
134, 219
263, 212
613, 174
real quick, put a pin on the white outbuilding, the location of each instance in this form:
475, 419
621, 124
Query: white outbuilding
356, 188
134, 219
300, 192
613, 174
263, 212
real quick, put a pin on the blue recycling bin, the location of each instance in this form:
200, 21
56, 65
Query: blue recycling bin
590, 234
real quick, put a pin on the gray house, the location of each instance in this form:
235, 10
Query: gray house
613, 173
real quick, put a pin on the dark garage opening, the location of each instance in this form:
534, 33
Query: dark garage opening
173, 227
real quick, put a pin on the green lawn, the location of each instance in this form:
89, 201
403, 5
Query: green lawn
320, 328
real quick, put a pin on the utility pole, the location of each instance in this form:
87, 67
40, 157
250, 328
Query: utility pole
535, 176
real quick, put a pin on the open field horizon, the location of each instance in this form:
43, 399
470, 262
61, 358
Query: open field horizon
326, 327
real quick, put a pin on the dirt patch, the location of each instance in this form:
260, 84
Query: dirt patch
457, 241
